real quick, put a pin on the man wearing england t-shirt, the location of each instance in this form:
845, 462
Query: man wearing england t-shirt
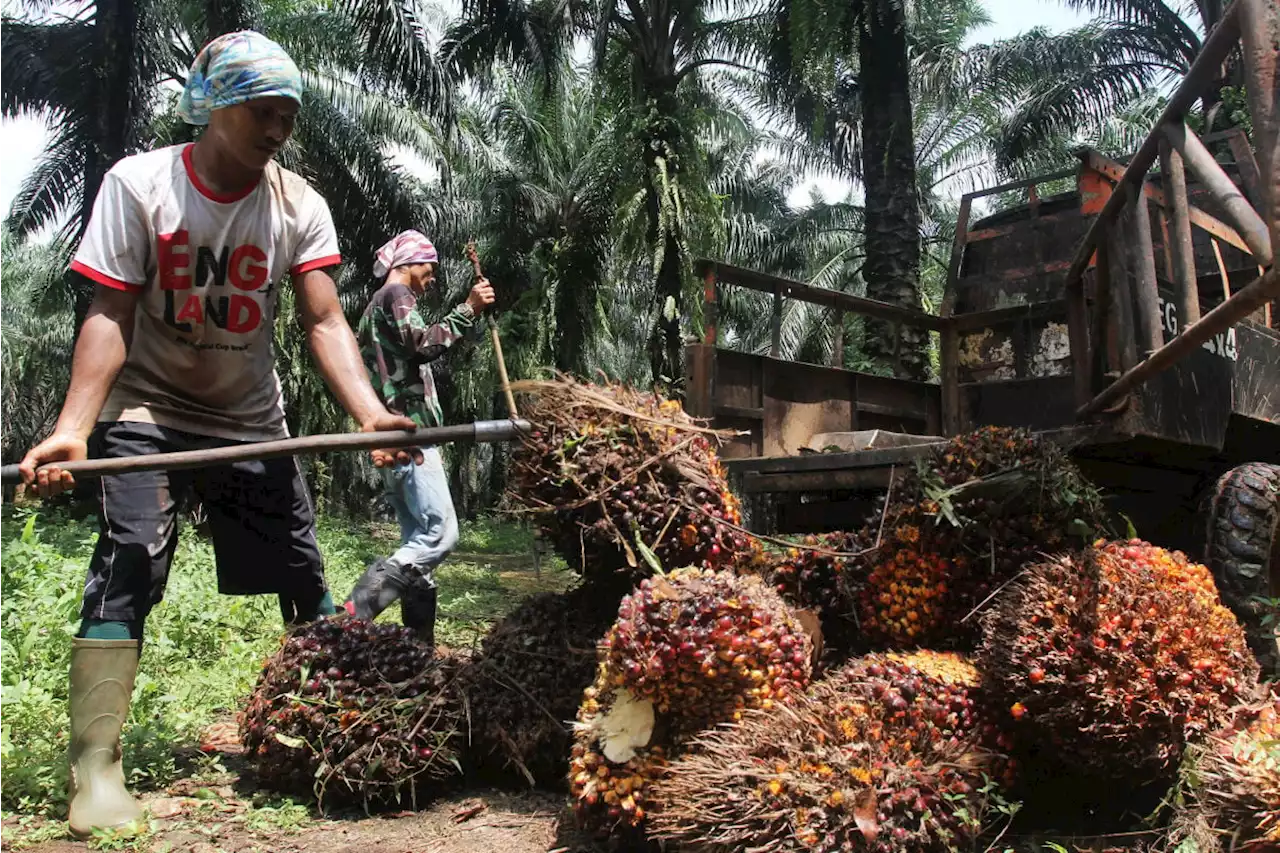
188, 247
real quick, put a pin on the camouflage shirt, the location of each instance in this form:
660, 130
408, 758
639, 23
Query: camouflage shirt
398, 348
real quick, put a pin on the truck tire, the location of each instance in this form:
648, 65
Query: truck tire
1242, 549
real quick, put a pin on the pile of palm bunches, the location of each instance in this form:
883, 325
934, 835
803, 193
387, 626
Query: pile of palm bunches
355, 713
1109, 661
610, 473
881, 758
528, 679
1232, 785
962, 524
689, 650
809, 576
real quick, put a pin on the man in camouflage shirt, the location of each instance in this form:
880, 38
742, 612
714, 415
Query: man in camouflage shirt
398, 348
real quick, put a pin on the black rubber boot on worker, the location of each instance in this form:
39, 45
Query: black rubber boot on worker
102, 674
378, 588
418, 612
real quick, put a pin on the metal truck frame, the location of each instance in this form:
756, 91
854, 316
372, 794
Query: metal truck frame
1132, 319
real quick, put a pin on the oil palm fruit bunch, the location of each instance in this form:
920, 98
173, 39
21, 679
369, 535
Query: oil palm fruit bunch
1109, 661
616, 758
355, 713
852, 765
702, 645
689, 649
961, 524
937, 694
620, 479
905, 597
527, 683
809, 576
1232, 784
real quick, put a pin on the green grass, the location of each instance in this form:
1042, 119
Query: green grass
202, 651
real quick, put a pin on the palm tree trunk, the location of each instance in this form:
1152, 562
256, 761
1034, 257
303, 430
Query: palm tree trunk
230, 16
114, 126
892, 268
666, 344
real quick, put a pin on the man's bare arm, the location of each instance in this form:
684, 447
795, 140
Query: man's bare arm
99, 355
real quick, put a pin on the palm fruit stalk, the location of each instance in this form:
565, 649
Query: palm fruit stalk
620, 480
880, 758
1107, 663
960, 525
1232, 785
354, 713
689, 650
810, 576
527, 682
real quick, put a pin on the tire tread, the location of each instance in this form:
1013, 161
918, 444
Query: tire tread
1242, 520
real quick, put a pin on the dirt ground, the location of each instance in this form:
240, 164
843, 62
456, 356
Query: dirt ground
488, 821
222, 812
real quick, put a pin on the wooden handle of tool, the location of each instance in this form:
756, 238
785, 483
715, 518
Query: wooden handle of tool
497, 342
502, 369
481, 432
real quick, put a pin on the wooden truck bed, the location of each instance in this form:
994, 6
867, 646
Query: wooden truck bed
1032, 334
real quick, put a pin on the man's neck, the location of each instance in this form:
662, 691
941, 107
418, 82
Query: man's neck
219, 172
399, 276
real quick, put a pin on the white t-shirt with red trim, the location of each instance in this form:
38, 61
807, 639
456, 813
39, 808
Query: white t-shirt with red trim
209, 268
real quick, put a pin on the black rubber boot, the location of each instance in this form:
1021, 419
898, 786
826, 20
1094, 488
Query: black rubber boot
418, 611
378, 588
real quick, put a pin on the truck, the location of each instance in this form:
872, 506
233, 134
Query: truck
1130, 316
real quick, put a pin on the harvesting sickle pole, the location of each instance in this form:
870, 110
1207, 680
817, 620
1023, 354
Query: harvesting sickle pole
497, 342
480, 432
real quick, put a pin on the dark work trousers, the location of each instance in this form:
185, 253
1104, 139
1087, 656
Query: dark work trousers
260, 514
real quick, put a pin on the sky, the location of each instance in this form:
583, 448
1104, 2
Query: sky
23, 139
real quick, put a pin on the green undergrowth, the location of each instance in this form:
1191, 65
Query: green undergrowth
202, 651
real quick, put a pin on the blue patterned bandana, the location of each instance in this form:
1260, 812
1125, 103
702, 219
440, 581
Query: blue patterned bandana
236, 68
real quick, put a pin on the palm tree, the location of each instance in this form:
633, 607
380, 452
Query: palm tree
651, 53
36, 328
540, 181
870, 84
1074, 84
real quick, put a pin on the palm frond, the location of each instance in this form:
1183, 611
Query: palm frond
44, 67
53, 187
397, 55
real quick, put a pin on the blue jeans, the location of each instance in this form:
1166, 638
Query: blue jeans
428, 523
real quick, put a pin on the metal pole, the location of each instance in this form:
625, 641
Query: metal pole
949, 337
1207, 64
1184, 259
1238, 307
1142, 253
481, 432
1237, 208
1259, 34
837, 348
